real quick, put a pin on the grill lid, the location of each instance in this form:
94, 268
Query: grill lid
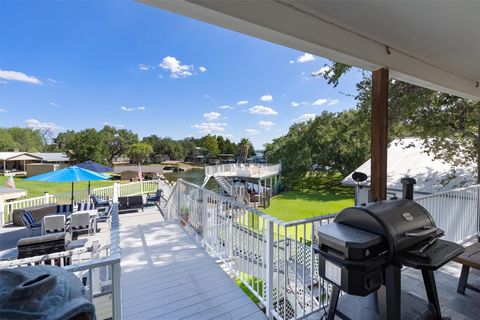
402, 223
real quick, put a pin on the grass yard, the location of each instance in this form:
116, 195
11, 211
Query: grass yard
36, 188
295, 205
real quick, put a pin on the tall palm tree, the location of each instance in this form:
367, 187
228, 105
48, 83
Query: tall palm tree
244, 148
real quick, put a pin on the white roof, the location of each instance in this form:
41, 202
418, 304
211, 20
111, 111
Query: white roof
435, 44
17, 156
407, 158
44, 156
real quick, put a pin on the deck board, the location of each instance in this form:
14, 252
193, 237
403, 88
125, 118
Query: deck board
165, 275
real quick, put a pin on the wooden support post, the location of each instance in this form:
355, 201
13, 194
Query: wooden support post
379, 134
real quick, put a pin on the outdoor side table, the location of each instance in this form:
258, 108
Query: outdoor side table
469, 259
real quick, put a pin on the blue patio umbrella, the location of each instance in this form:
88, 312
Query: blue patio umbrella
94, 166
71, 174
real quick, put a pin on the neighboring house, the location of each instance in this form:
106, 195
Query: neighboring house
18, 163
226, 158
131, 172
120, 160
197, 156
407, 158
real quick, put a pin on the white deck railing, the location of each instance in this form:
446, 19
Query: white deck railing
128, 189
254, 170
457, 212
274, 259
98, 264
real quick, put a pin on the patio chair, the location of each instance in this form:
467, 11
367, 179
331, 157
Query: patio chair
79, 223
155, 198
98, 202
64, 208
30, 223
54, 223
82, 206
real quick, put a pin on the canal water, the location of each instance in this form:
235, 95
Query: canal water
195, 176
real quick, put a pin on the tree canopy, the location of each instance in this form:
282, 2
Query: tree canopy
23, 139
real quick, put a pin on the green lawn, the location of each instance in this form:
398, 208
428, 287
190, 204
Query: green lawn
36, 189
295, 205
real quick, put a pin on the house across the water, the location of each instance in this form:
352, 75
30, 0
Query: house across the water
31, 163
408, 158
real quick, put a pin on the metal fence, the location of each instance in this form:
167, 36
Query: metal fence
457, 212
273, 258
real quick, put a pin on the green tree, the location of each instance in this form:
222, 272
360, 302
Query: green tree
139, 152
210, 145
6, 140
245, 146
449, 126
23, 139
118, 141
84, 145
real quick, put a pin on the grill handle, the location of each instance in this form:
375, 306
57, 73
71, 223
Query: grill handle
421, 233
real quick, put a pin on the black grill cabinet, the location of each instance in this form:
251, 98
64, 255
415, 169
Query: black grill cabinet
363, 250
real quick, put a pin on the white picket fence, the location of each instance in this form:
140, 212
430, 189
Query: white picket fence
132, 188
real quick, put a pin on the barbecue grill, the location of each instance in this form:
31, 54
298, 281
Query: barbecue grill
364, 249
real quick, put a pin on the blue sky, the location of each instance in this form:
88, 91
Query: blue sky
73, 65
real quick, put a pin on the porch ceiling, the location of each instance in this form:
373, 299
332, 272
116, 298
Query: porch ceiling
431, 44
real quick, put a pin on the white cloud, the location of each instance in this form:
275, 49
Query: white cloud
303, 58
326, 70
38, 125
53, 104
252, 131
51, 80
210, 127
266, 98
145, 67
202, 69
18, 76
176, 68
118, 126
210, 116
225, 107
295, 104
242, 102
266, 125
131, 109
206, 96
3, 110
262, 110
320, 102
305, 117
333, 102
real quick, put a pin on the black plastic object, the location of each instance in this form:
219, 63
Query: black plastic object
408, 184
43, 292
359, 176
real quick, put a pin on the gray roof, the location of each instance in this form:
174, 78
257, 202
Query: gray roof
407, 157
52, 156
134, 168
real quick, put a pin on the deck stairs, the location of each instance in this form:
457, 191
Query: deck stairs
238, 192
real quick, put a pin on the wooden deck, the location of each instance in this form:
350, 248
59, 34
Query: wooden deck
165, 275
